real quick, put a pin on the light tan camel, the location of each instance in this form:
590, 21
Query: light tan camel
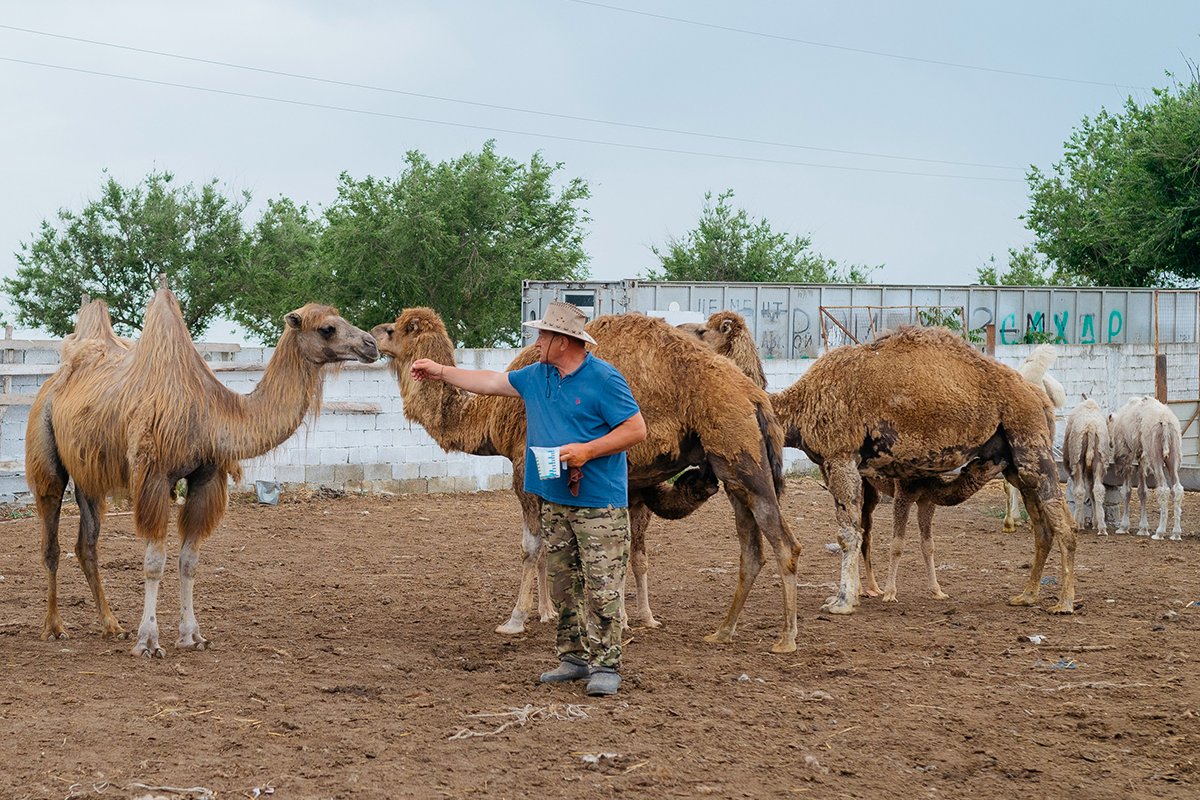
699, 411
727, 333
910, 406
1035, 370
119, 417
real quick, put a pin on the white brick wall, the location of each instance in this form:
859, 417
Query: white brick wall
385, 452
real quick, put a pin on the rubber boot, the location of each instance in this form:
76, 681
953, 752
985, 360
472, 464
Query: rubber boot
604, 681
569, 668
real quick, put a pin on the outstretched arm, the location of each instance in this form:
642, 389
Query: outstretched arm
622, 437
479, 381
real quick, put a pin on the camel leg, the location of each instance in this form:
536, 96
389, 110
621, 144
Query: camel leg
749, 564
870, 501
1176, 498
201, 512
1012, 507
1080, 489
1098, 498
843, 482
49, 505
925, 511
639, 521
901, 503
1050, 518
91, 513
1126, 490
533, 568
150, 503
1143, 495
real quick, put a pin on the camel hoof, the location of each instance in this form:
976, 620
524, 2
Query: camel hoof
1022, 600
719, 638
889, 597
1064, 607
1176, 537
511, 628
1122, 530
194, 644
1009, 528
145, 651
1143, 532
784, 646
838, 605
651, 622
939, 595
1158, 537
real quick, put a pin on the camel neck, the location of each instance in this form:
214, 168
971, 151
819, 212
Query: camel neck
270, 414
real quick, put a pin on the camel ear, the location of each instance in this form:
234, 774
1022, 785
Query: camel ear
727, 326
414, 326
292, 319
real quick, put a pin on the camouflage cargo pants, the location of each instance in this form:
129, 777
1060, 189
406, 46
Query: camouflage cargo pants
587, 550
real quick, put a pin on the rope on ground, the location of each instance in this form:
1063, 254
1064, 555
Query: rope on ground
520, 716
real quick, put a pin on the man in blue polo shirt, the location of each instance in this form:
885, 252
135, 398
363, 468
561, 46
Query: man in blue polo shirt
582, 405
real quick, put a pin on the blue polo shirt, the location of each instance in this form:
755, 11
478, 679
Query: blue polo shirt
584, 405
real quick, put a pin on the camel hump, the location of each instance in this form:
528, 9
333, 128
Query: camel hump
165, 343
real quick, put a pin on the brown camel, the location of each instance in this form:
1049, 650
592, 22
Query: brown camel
699, 411
119, 417
895, 391
726, 332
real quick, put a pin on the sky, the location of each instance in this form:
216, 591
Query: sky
893, 134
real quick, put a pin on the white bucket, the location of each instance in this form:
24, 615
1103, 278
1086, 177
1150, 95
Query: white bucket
548, 464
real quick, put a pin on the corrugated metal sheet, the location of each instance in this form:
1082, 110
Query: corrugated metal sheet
786, 320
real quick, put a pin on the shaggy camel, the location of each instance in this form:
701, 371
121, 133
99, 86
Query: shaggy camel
1086, 452
727, 333
699, 411
1034, 369
139, 417
915, 404
1146, 437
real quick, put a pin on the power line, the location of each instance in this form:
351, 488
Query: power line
860, 50
490, 129
350, 84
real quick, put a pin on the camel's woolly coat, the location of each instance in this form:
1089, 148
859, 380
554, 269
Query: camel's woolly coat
1146, 437
699, 410
728, 334
917, 403
119, 417
1086, 453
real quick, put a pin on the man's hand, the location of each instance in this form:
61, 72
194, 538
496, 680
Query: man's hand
575, 454
424, 368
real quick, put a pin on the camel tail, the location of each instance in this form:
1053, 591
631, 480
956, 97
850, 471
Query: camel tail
1090, 444
772, 435
1165, 435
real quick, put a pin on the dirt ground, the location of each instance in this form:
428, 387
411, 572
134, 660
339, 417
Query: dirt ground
356, 658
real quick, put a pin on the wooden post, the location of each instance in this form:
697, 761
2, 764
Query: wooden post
1160, 377
990, 330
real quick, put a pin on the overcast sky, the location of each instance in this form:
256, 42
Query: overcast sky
891, 133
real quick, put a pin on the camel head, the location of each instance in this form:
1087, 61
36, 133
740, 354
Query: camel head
722, 330
416, 333
323, 337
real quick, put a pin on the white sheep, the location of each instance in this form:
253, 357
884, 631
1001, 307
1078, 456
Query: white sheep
1086, 452
1146, 432
1034, 369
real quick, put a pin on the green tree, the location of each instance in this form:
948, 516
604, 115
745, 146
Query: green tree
458, 236
1027, 267
116, 247
281, 271
727, 246
1122, 208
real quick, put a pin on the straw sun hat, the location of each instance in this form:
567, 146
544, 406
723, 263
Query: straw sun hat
563, 318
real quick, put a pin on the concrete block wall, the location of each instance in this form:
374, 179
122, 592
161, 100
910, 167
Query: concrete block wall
381, 451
